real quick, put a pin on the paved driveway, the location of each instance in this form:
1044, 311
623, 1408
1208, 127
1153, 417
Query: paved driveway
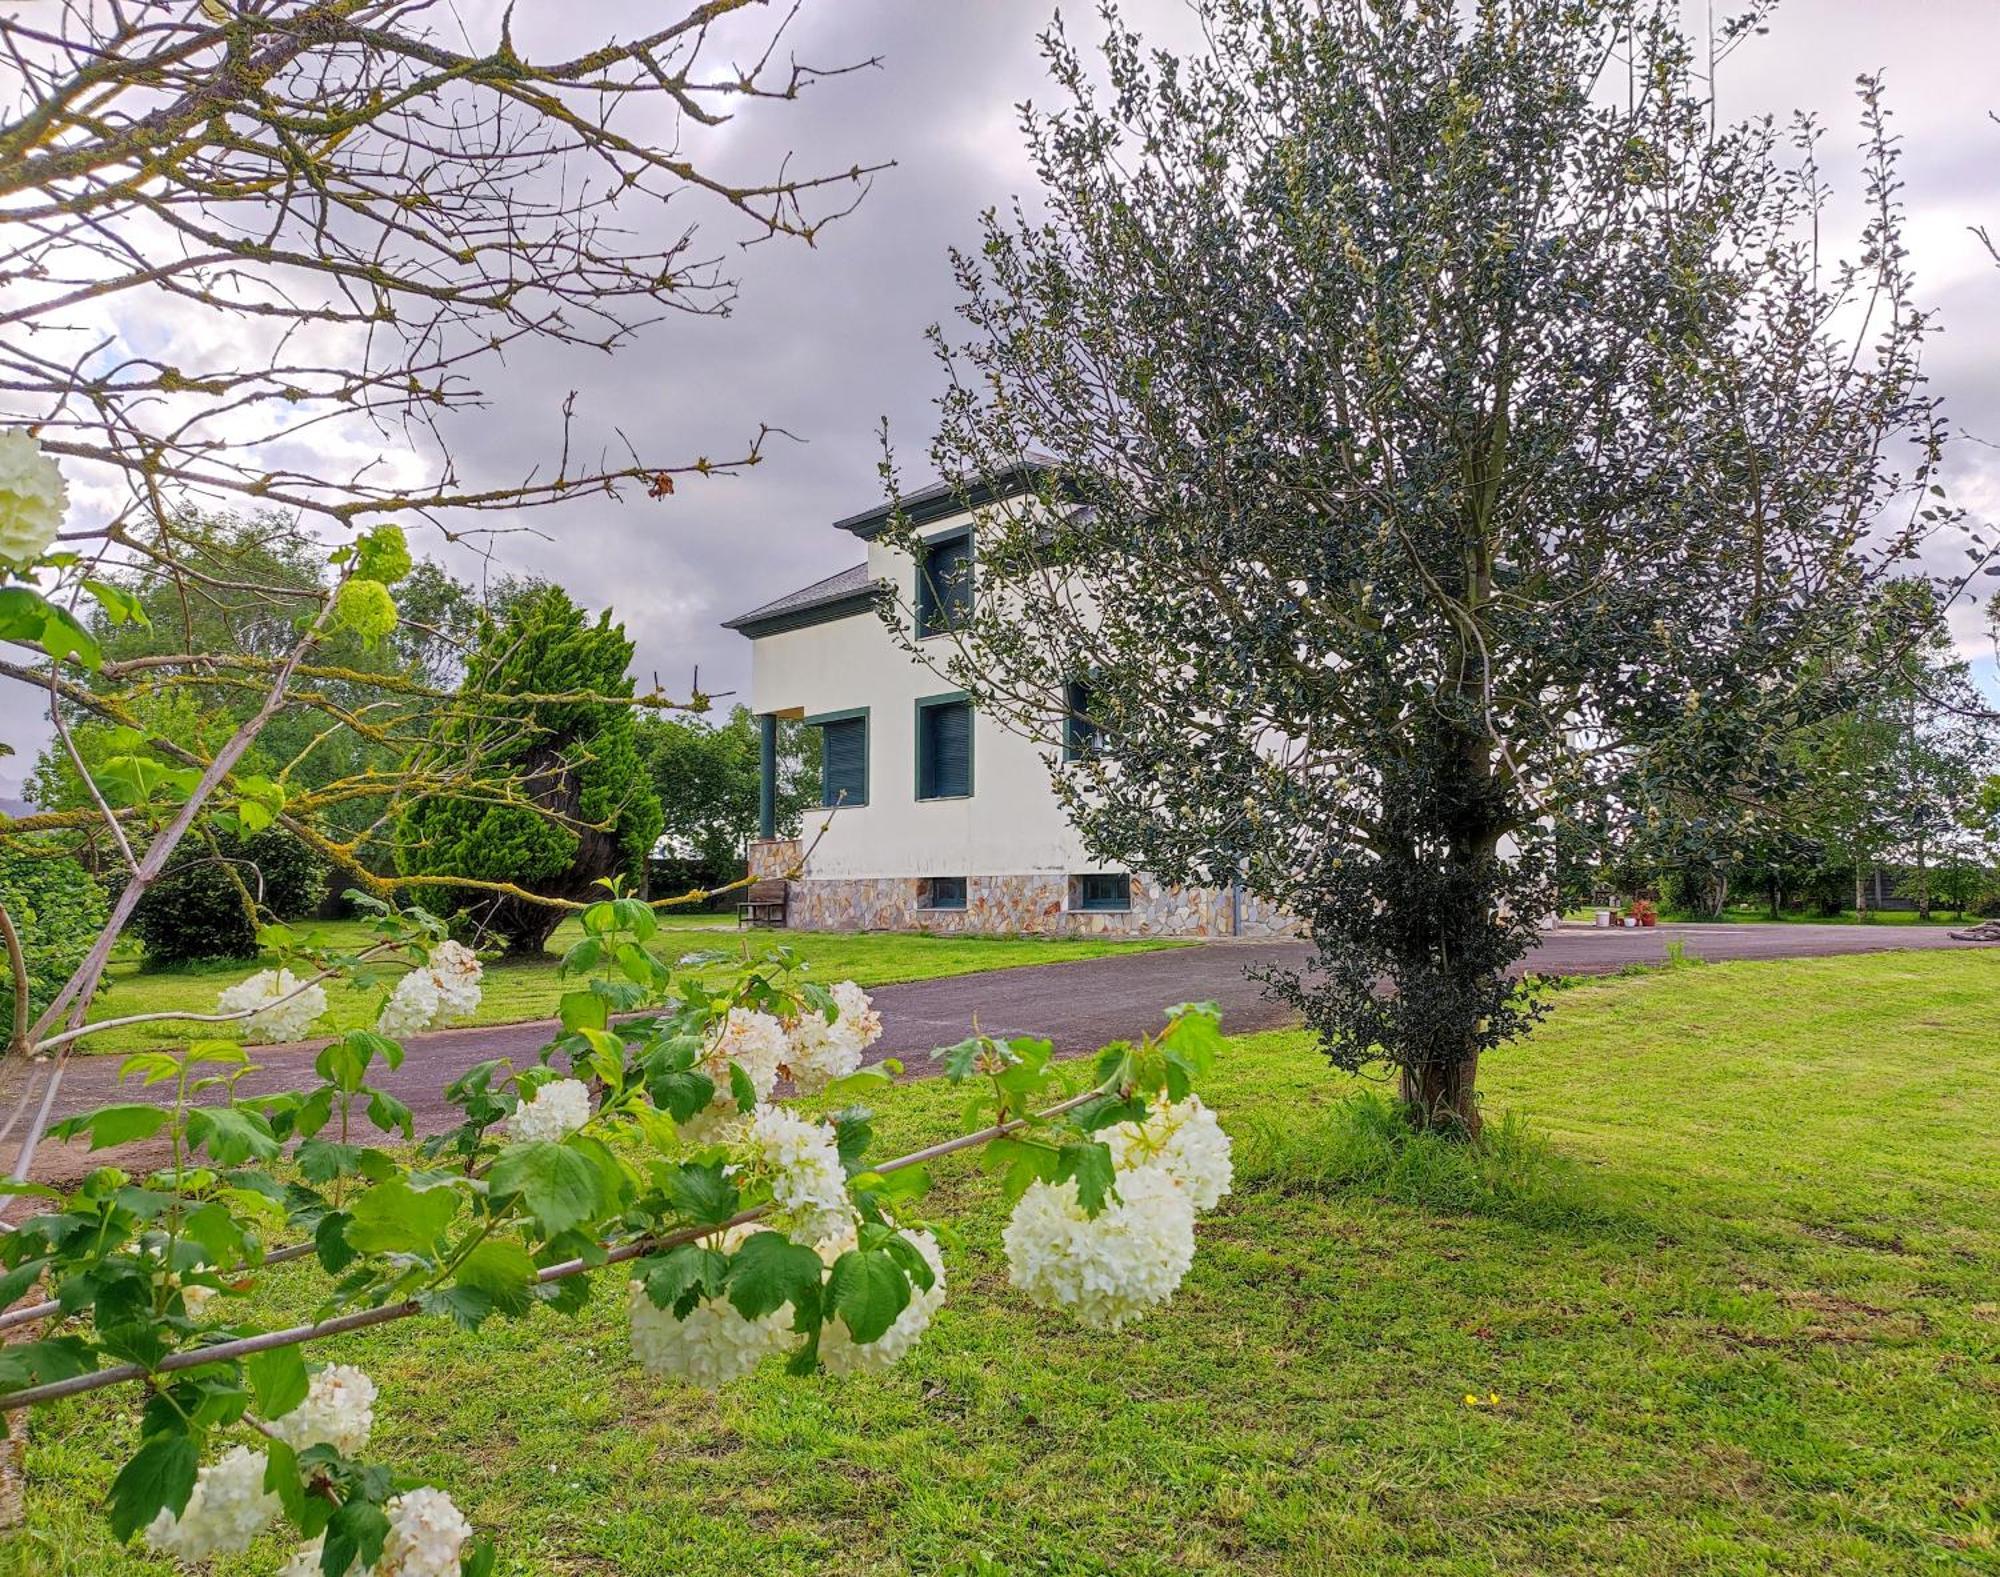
1079, 1006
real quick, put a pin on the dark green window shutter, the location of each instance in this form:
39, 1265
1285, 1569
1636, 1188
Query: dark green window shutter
944, 745
1082, 739
843, 768
944, 585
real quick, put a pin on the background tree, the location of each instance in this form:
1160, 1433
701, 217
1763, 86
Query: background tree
1382, 382
708, 780
340, 219
585, 809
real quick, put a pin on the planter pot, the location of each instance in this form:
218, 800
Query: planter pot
1629, 923
1649, 919
1601, 917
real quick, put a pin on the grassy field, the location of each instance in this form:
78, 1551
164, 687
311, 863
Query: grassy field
1730, 1272
517, 990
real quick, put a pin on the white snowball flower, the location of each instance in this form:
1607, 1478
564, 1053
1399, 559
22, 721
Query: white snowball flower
426, 1532
414, 1005
456, 972
280, 1020
33, 498
1182, 1139
756, 1043
842, 1354
1109, 1268
709, 1348
858, 1013
338, 1411
557, 1109
305, 1561
800, 1159
821, 1052
227, 1510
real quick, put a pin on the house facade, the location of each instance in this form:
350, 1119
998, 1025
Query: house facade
935, 816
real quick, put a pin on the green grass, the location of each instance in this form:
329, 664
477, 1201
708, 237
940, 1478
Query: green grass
517, 990
1729, 1265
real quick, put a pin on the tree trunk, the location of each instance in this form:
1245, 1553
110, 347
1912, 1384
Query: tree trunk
1444, 1096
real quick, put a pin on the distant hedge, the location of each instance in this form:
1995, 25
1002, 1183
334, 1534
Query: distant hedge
210, 900
57, 908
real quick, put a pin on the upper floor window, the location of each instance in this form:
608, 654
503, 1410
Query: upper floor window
1083, 735
843, 757
944, 584
944, 747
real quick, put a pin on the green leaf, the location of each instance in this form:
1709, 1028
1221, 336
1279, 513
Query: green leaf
355, 1535
503, 1271
1090, 1164
281, 1477
120, 606
687, 1271
29, 617
560, 1185
701, 1192
330, 1242
770, 1271
680, 1093
110, 1125
160, 1476
277, 1380
478, 1561
231, 1134
394, 1218
583, 1010
741, 1089
41, 1363
868, 1290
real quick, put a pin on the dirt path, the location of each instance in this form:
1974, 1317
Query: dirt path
1080, 1006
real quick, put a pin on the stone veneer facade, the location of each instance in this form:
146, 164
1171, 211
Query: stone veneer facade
1032, 905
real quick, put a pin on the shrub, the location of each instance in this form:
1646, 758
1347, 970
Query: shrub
213, 894
57, 907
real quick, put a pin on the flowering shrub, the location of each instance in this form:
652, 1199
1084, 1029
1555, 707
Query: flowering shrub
645, 1134
33, 498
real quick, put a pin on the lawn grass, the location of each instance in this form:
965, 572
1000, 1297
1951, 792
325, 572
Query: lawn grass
527, 989
1733, 1284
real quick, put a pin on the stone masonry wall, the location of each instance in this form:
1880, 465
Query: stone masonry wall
1033, 905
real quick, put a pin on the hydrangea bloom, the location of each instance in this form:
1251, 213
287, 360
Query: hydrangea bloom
426, 1532
842, 1354
709, 1348
800, 1159
272, 1018
338, 1410
821, 1052
227, 1510
33, 498
456, 971
1109, 1268
756, 1043
1182, 1139
556, 1110
414, 1005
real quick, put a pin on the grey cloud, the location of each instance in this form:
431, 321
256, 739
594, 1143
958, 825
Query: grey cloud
828, 340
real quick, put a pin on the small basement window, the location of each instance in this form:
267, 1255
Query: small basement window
1101, 890
843, 757
941, 892
944, 584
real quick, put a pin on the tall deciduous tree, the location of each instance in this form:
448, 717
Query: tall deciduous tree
1452, 407
708, 778
578, 807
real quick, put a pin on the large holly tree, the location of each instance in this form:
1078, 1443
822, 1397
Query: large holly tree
1415, 409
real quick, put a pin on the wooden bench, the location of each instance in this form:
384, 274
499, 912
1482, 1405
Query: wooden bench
764, 904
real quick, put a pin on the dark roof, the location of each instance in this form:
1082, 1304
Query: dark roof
947, 498
851, 591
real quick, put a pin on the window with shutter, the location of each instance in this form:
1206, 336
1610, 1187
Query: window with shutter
944, 584
944, 747
1083, 739
843, 757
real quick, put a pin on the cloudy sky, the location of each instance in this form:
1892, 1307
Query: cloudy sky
827, 342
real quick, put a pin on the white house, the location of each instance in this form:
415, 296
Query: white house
938, 817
